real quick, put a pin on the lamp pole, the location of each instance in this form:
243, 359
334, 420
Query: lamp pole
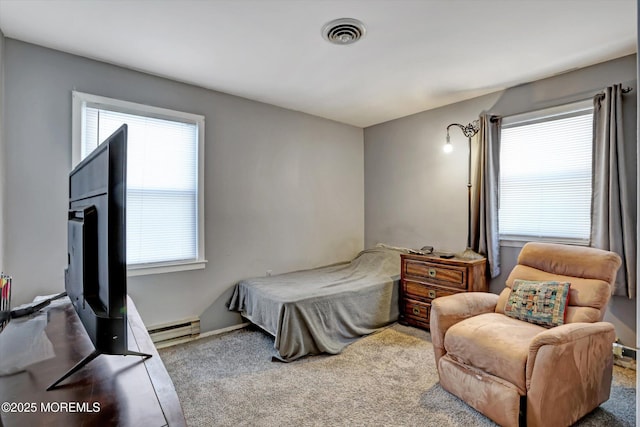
469, 131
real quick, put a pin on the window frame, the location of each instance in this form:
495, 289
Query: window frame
81, 99
572, 109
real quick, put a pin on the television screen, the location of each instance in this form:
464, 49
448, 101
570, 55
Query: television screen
96, 277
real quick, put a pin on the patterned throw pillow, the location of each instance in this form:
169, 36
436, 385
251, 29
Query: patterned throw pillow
542, 303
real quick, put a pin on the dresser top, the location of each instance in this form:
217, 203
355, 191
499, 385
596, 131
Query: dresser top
436, 257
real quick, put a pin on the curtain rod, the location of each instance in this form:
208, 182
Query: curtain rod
625, 90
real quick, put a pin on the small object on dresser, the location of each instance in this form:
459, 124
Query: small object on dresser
447, 255
425, 250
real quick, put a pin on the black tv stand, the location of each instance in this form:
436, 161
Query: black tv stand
88, 359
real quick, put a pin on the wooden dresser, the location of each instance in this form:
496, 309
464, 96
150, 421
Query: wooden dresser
425, 277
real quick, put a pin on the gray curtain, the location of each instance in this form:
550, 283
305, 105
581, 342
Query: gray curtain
613, 213
484, 207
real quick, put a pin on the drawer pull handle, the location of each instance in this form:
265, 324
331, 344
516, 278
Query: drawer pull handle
431, 293
432, 272
416, 310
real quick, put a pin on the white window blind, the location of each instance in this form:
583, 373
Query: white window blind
545, 176
163, 224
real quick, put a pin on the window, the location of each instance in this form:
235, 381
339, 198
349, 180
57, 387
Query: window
164, 178
545, 175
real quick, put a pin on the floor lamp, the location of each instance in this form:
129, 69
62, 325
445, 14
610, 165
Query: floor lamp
469, 131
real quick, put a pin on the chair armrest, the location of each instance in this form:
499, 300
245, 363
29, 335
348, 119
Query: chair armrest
570, 334
569, 363
449, 310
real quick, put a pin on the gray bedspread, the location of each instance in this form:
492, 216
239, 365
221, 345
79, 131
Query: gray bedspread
324, 309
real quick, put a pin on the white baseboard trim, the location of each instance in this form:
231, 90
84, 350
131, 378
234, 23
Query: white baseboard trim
202, 335
223, 330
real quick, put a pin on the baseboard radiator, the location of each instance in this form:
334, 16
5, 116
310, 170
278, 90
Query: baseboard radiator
173, 333
624, 356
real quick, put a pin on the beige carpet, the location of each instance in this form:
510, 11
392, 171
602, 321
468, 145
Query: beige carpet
386, 379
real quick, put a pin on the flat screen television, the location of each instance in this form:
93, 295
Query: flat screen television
96, 275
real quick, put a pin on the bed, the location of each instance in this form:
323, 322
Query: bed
323, 310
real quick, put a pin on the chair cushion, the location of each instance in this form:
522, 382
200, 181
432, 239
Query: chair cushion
542, 303
588, 298
569, 260
494, 343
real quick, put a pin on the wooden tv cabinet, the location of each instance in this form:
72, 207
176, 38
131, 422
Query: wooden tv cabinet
111, 390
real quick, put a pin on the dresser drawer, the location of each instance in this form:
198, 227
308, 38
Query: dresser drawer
422, 291
446, 275
417, 311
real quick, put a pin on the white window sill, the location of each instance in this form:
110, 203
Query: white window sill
146, 269
518, 242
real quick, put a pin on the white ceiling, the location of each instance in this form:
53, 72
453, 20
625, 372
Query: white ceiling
416, 54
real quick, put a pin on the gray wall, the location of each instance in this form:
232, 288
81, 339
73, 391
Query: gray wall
416, 195
283, 190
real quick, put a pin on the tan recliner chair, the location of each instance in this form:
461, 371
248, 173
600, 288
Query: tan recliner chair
512, 370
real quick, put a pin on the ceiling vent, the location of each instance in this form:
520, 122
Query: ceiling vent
343, 31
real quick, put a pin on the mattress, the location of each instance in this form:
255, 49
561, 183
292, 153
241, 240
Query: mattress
323, 310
